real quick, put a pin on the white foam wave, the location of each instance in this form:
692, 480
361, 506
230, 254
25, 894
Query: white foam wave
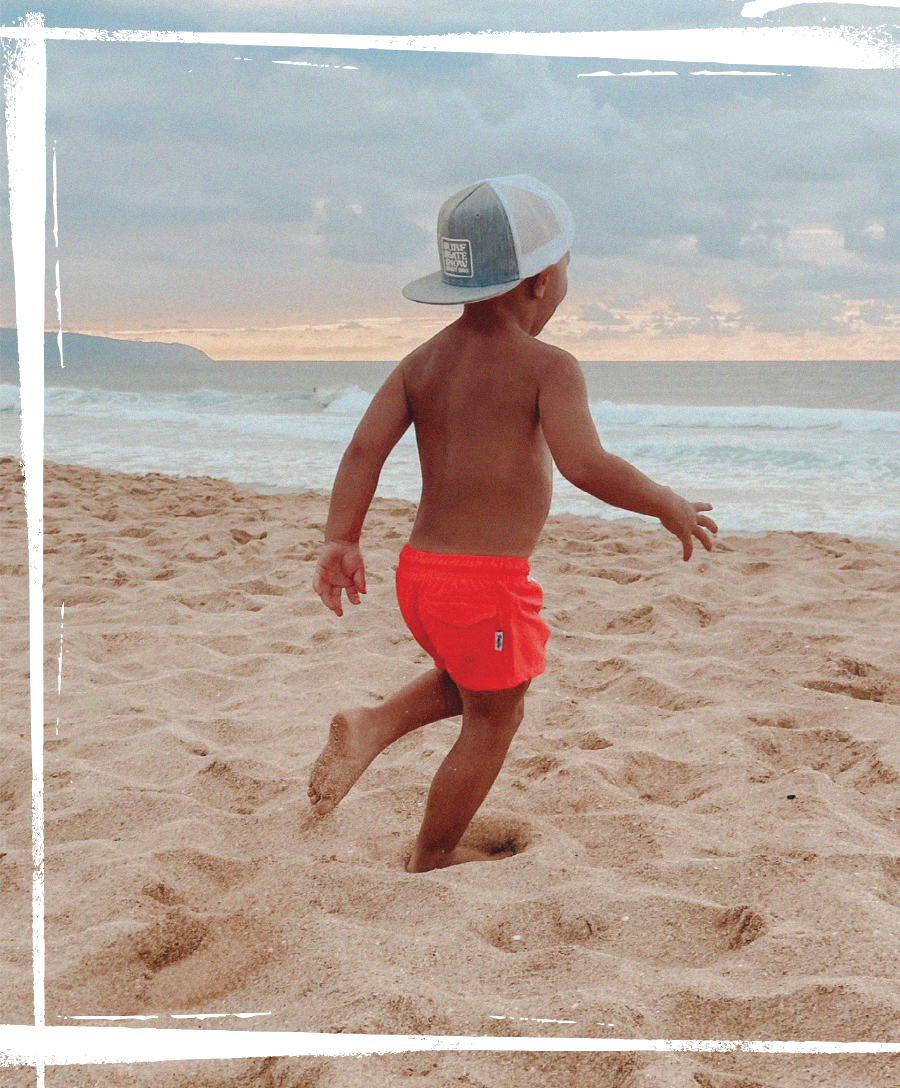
349, 402
281, 413
10, 400
762, 467
773, 417
326, 416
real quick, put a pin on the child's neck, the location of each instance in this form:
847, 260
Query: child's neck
511, 313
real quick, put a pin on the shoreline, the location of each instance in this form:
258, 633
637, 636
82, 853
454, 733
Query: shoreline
632, 521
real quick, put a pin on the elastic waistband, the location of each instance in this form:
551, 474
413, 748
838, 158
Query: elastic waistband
489, 566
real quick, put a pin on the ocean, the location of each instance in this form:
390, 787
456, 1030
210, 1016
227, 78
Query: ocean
773, 446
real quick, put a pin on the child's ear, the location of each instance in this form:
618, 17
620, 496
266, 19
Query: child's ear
539, 284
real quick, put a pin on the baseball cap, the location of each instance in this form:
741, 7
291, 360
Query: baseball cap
491, 236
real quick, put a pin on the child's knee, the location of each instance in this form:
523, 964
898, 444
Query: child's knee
491, 701
517, 712
495, 710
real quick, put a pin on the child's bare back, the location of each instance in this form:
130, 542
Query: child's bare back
487, 474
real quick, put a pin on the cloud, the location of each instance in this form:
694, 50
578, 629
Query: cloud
875, 236
370, 228
778, 304
601, 316
197, 184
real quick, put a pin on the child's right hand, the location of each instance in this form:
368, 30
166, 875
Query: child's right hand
684, 520
340, 567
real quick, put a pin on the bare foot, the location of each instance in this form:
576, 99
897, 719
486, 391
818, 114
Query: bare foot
353, 742
459, 856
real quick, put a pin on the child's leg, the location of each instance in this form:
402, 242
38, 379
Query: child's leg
357, 736
463, 780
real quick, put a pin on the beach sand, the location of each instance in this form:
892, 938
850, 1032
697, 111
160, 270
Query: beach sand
703, 800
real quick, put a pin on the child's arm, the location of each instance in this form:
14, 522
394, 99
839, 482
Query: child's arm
340, 565
579, 456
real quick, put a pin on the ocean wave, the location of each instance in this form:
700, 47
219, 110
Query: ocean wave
771, 417
313, 413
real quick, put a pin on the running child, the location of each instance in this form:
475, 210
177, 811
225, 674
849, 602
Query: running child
493, 409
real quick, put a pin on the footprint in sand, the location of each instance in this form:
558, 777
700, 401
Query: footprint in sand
538, 927
851, 1010
185, 958
178, 935
842, 757
741, 926
868, 690
536, 766
160, 891
634, 621
664, 781
592, 742
890, 883
777, 719
228, 784
663, 930
497, 835
194, 876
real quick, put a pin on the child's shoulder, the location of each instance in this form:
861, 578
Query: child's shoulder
551, 354
551, 362
426, 350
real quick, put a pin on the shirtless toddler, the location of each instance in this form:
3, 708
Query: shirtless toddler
493, 409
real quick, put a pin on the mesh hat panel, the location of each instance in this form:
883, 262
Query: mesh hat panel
534, 226
541, 222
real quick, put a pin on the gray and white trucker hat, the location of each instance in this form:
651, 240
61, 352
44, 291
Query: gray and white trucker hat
491, 236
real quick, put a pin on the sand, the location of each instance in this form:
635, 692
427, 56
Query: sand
703, 800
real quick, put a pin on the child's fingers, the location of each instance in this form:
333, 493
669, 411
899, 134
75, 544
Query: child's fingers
330, 594
332, 599
705, 539
701, 534
334, 605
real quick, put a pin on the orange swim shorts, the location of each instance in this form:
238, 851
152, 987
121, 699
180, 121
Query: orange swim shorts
478, 616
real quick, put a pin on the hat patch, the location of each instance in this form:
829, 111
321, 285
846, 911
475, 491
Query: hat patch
456, 257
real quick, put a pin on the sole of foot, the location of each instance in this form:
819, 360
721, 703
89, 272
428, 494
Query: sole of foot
350, 748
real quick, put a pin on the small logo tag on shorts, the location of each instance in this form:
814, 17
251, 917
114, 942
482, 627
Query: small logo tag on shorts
498, 640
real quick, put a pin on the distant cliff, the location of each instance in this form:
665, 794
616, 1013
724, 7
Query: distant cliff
100, 361
99, 350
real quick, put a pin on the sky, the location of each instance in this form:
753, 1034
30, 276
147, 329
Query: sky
213, 196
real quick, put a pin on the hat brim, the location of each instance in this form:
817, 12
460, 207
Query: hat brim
434, 290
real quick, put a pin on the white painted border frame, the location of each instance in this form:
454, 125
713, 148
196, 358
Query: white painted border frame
25, 84
26, 90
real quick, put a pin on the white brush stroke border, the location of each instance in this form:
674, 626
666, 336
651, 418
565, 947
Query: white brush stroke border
25, 84
126, 1046
26, 87
824, 47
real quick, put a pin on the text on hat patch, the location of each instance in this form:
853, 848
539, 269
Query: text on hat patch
456, 256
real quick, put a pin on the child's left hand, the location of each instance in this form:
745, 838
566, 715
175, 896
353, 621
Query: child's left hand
340, 566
